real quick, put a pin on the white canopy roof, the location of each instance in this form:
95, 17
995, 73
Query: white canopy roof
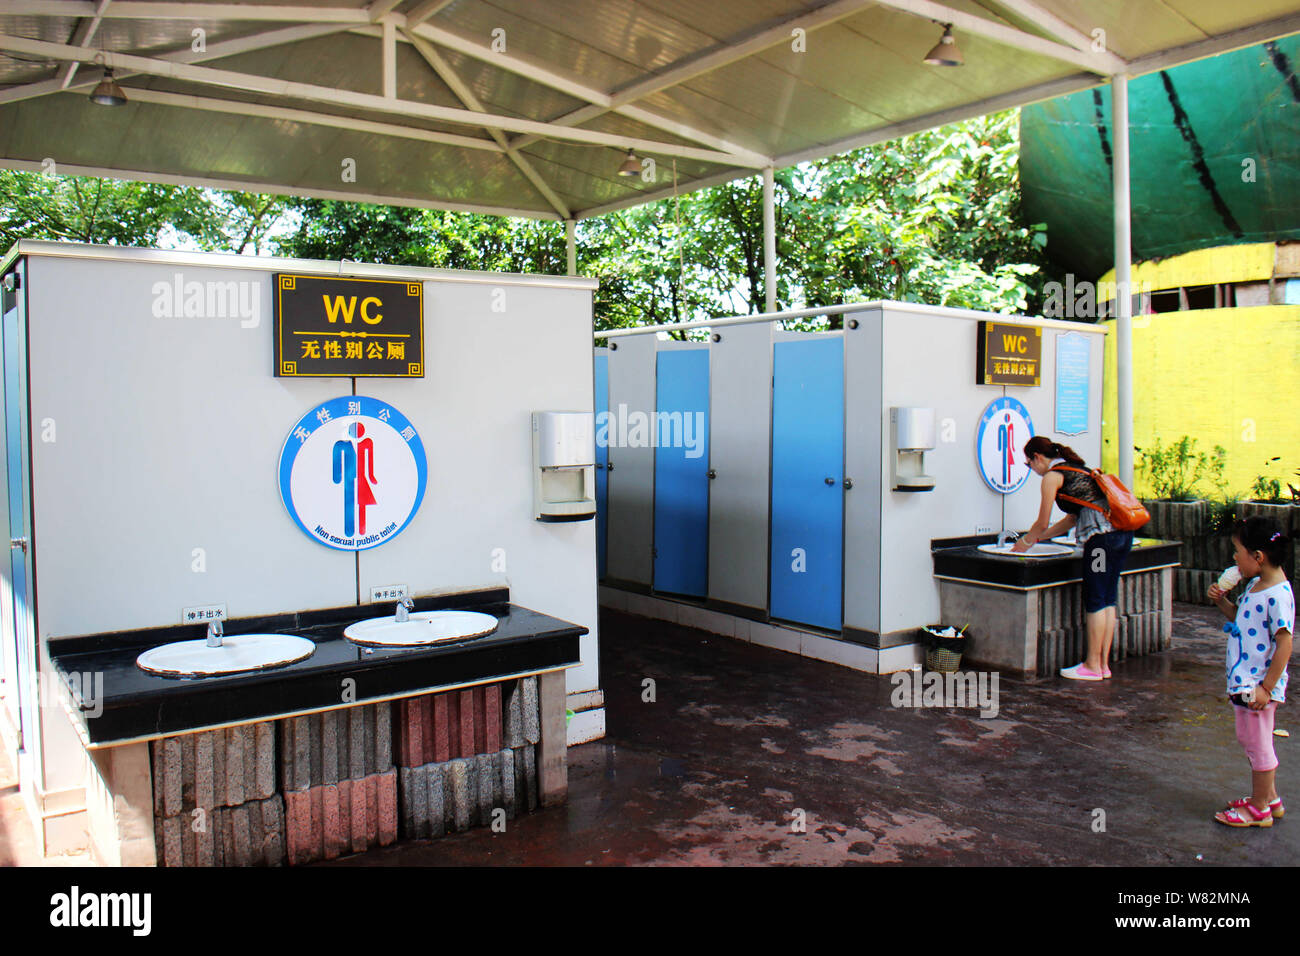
527, 107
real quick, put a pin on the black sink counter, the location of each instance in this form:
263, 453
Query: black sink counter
137, 705
961, 559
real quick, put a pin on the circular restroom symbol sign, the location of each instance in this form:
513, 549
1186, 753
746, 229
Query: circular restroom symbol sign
352, 473
1004, 428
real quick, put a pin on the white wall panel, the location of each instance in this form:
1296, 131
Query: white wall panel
740, 437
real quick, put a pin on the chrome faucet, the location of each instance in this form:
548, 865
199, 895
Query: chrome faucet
215, 631
403, 612
1004, 536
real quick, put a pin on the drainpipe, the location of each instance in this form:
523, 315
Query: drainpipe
1123, 279
769, 238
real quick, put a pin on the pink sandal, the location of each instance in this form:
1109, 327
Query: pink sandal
1080, 672
1246, 816
1275, 807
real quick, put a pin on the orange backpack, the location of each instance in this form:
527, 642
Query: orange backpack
1125, 513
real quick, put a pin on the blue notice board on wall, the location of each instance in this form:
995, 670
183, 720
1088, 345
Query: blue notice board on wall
1072, 380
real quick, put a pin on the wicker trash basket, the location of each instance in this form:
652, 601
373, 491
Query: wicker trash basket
942, 651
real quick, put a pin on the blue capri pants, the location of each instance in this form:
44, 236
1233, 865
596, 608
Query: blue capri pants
1103, 560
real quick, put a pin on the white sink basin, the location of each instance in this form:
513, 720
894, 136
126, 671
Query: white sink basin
238, 652
1039, 550
1066, 539
423, 627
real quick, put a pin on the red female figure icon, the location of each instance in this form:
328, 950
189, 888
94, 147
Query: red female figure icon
1007, 445
365, 474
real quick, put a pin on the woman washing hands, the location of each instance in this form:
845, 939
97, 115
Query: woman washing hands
1068, 485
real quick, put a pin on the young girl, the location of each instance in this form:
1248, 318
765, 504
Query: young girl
1259, 647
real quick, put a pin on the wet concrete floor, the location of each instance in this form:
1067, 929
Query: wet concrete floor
742, 742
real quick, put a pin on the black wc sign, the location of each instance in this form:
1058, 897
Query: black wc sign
352, 473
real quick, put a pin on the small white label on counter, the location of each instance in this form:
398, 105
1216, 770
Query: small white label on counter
204, 614
387, 592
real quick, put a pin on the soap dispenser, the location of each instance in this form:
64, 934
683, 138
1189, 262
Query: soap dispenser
911, 434
564, 466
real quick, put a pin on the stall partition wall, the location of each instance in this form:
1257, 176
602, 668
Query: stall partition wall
17, 625
601, 406
740, 432
808, 479
630, 467
865, 420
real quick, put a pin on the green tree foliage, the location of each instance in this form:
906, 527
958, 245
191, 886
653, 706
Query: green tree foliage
113, 212
933, 218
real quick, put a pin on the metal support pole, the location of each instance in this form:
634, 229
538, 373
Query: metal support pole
1123, 279
570, 247
769, 238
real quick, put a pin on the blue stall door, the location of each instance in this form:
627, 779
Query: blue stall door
807, 481
602, 459
681, 564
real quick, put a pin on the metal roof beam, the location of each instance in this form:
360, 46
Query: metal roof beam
1213, 46
237, 12
322, 94
1033, 94
241, 108
238, 185
84, 33
380, 9
418, 14
1004, 101
467, 97
185, 54
388, 59
1001, 33
139, 9
1054, 25
714, 58
737, 155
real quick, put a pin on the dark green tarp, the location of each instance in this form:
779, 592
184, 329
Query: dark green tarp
1192, 129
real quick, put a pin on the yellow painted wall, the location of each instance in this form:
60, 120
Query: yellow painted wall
1210, 374
1251, 262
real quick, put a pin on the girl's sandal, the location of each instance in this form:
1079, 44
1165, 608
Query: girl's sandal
1276, 807
1246, 816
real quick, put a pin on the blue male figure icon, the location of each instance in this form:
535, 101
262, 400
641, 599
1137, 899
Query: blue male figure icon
344, 456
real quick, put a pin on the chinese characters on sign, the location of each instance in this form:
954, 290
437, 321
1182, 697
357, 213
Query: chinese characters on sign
362, 328
1072, 383
1009, 354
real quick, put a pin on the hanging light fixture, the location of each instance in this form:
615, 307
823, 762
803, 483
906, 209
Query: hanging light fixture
945, 52
631, 165
108, 93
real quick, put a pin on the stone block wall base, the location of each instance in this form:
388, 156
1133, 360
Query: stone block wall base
452, 796
350, 816
251, 834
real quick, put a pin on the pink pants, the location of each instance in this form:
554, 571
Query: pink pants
1255, 732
